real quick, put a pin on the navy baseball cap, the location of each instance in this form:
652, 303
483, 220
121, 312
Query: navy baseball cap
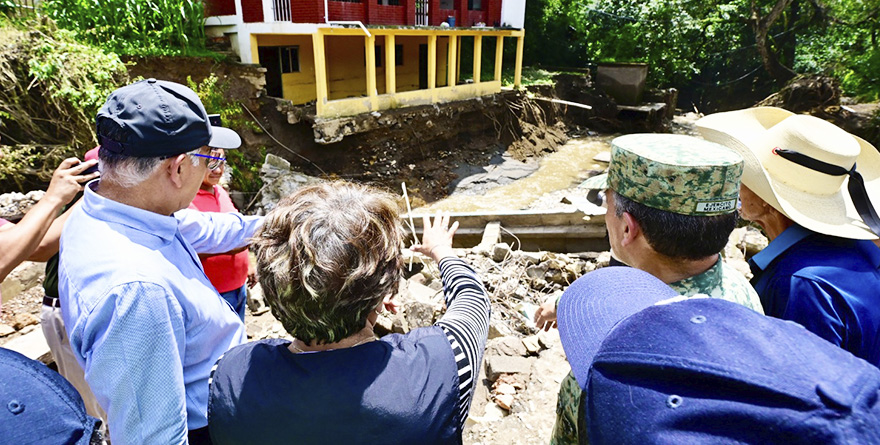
37, 405
596, 302
161, 118
706, 370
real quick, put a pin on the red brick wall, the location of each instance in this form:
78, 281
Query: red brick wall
387, 15
252, 11
344, 11
306, 11
368, 11
493, 13
445, 13
474, 17
409, 12
220, 7
434, 13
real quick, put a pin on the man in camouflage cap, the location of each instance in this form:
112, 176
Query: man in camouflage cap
672, 203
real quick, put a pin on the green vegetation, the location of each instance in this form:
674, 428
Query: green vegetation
530, 75
244, 168
135, 27
735, 45
51, 87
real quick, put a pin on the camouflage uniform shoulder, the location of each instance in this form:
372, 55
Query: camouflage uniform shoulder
738, 289
721, 281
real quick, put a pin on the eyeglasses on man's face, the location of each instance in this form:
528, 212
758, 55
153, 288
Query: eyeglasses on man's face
215, 161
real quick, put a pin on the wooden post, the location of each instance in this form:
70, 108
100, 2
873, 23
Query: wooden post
517, 71
390, 65
320, 73
478, 57
499, 51
370, 43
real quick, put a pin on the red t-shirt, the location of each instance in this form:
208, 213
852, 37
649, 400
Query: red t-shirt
226, 272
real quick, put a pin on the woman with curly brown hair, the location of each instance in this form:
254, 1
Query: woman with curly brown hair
329, 261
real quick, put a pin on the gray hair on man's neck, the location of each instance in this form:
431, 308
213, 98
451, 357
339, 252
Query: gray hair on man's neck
128, 171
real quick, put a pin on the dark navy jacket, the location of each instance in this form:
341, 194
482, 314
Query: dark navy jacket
400, 389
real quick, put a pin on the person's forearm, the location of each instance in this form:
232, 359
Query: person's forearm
20, 242
466, 323
51, 240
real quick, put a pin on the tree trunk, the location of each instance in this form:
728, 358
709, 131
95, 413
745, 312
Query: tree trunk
761, 26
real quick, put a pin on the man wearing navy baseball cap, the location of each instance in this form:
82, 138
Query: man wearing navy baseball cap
656, 368
141, 315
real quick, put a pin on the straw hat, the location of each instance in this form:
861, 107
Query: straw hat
815, 173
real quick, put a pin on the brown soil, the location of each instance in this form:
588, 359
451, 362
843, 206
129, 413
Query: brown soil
421, 146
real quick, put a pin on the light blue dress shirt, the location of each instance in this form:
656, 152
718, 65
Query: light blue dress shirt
142, 317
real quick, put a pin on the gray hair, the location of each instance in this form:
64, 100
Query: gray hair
128, 171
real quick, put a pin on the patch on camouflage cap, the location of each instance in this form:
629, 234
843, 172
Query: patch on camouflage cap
676, 173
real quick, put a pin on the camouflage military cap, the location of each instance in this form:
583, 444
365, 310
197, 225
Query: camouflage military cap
676, 173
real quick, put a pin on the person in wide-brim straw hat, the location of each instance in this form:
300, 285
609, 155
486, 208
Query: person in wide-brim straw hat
810, 186
803, 166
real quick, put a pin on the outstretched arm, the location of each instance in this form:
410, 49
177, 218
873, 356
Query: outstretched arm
466, 321
20, 241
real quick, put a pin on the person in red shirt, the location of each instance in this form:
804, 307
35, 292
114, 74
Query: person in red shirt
230, 272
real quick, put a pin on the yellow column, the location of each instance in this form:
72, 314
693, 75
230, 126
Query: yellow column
370, 43
499, 50
255, 50
478, 57
320, 73
458, 59
452, 61
517, 71
432, 66
390, 66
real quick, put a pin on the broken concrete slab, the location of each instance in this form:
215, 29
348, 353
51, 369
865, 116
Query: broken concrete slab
502, 364
509, 346
32, 345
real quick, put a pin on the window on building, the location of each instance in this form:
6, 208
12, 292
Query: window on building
475, 5
389, 2
447, 4
289, 57
398, 55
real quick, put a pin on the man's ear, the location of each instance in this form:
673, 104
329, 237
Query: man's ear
632, 231
174, 169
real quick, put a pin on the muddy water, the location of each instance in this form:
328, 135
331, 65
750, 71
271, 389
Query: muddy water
561, 170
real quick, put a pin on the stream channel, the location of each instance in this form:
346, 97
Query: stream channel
560, 170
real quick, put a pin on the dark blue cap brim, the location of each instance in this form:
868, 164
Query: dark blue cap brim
595, 303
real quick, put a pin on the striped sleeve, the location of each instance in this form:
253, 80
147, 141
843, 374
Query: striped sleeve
466, 323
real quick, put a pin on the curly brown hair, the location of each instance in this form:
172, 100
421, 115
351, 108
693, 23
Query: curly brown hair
327, 255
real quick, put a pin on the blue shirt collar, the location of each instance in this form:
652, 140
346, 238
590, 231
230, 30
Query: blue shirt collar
101, 208
778, 246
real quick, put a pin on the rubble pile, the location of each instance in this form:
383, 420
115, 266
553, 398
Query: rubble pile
14, 205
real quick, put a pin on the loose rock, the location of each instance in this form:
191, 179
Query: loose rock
497, 365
